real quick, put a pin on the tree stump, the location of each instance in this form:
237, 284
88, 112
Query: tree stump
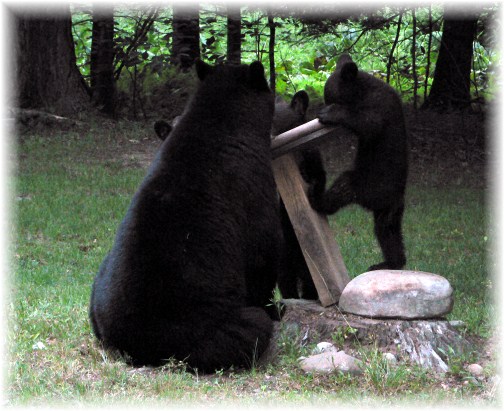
424, 342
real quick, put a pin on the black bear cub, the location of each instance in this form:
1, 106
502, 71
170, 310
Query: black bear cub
373, 111
194, 263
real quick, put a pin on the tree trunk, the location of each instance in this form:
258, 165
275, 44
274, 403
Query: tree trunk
234, 34
186, 43
394, 45
271, 52
102, 60
413, 59
451, 83
46, 74
429, 46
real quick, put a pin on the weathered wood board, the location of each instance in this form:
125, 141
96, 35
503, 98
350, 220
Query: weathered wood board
320, 250
298, 137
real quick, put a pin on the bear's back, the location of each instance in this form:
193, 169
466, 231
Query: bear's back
190, 221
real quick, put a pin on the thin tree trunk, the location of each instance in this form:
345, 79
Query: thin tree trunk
102, 60
394, 45
429, 47
135, 71
46, 73
234, 34
413, 59
186, 42
271, 51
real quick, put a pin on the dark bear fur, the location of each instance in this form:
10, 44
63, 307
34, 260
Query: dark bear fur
290, 115
195, 259
373, 111
294, 269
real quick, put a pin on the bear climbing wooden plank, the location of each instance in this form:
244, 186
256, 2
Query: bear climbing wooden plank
372, 111
321, 252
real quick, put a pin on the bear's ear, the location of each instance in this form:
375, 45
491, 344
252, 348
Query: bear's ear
203, 69
256, 77
349, 71
162, 129
300, 102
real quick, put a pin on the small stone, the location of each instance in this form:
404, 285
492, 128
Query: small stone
475, 370
331, 361
397, 294
390, 358
39, 346
323, 347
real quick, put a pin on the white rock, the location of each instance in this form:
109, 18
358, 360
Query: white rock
331, 361
397, 294
390, 358
323, 347
39, 345
475, 370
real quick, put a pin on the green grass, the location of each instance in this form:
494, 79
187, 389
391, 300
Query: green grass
70, 197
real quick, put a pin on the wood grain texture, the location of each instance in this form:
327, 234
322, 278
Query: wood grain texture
298, 137
320, 250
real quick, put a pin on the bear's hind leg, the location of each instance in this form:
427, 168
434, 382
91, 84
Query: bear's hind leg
205, 345
292, 263
389, 235
239, 343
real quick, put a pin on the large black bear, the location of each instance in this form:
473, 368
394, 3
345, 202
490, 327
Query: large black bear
194, 263
373, 111
294, 279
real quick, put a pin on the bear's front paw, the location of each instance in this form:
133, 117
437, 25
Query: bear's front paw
315, 177
307, 172
327, 114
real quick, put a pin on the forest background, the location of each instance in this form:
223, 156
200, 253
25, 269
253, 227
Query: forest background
132, 56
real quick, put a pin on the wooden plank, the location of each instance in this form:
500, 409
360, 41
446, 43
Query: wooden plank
320, 250
298, 137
